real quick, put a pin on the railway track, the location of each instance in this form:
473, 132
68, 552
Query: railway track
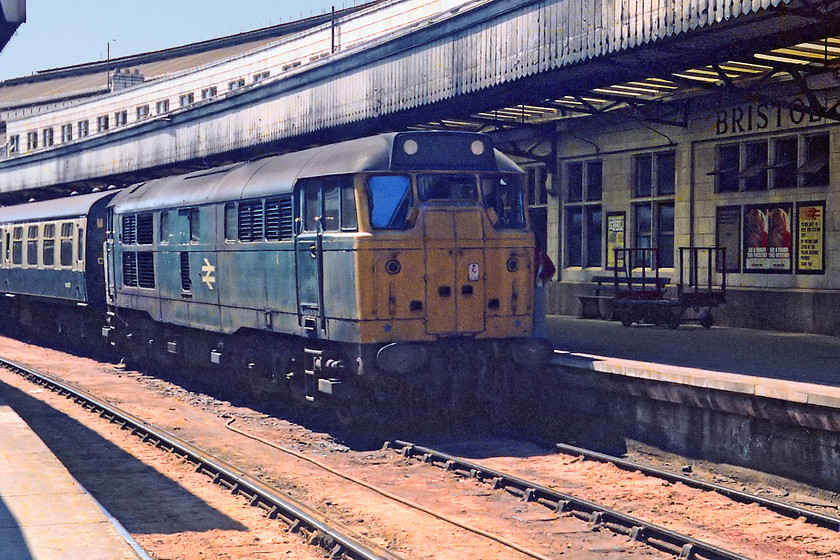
314, 528
597, 516
317, 530
777, 506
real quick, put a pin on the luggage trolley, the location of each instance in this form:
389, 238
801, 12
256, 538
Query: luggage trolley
640, 296
698, 289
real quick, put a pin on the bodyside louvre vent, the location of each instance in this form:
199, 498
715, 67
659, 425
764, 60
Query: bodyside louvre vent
145, 229
251, 221
186, 283
129, 229
129, 262
146, 270
278, 218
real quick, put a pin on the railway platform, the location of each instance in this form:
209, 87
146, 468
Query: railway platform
804, 358
45, 514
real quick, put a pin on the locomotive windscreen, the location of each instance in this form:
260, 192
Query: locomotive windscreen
443, 150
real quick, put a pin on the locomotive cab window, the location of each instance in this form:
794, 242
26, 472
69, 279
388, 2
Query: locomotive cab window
390, 201
328, 203
503, 195
449, 186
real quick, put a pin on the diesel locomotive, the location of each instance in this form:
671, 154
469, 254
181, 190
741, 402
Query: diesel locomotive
391, 273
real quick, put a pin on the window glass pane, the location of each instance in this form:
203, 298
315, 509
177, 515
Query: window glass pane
165, 230
574, 173
816, 169
446, 187
195, 225
666, 173
48, 256
727, 168
574, 237
312, 206
504, 196
755, 172
390, 200
66, 244
666, 235
80, 246
593, 236
784, 163
349, 221
644, 174
17, 246
32, 245
332, 202
593, 180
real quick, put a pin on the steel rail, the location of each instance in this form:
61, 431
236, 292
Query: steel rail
777, 506
314, 527
683, 546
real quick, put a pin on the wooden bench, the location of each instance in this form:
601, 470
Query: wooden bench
590, 304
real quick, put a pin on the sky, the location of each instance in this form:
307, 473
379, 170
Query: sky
61, 33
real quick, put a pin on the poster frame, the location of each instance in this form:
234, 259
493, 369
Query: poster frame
821, 204
787, 206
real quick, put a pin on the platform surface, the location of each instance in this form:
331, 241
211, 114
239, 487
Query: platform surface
44, 513
787, 366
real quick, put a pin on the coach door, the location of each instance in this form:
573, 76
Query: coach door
309, 258
454, 270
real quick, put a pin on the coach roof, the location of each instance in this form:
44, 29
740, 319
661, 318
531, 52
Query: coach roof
60, 208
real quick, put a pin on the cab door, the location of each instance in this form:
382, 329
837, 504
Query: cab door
309, 258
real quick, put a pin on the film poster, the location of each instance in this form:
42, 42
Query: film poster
767, 238
810, 226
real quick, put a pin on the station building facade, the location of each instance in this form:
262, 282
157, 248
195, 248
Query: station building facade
761, 179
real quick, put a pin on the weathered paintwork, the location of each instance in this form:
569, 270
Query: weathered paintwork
453, 277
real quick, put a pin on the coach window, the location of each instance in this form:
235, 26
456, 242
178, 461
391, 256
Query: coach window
17, 245
48, 251
390, 201
32, 245
80, 244
583, 216
66, 248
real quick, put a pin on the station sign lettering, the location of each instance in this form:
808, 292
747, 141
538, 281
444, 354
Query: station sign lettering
760, 117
